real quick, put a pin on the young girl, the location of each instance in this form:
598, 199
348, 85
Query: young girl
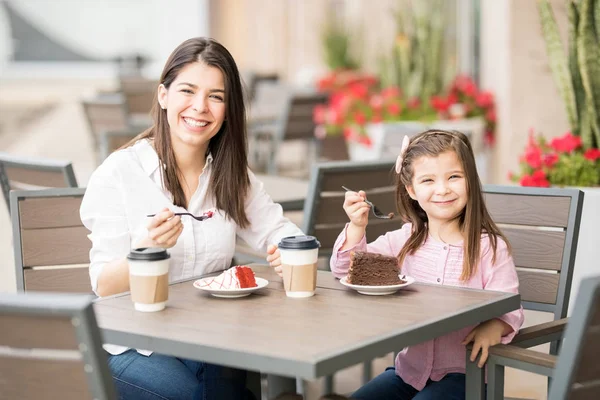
449, 239
193, 159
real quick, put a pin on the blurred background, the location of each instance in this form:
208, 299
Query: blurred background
54, 53
325, 80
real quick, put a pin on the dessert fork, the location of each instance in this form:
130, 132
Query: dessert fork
200, 218
376, 211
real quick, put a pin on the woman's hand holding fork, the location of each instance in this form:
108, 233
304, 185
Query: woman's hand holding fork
163, 230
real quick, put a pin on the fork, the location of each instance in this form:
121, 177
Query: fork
200, 218
376, 211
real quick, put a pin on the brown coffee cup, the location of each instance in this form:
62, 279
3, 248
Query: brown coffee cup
299, 255
149, 278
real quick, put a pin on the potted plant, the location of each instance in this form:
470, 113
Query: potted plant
367, 116
577, 76
560, 162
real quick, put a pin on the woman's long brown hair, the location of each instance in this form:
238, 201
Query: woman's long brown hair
229, 182
473, 220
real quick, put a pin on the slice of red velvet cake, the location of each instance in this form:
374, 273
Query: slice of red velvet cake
245, 276
238, 277
372, 269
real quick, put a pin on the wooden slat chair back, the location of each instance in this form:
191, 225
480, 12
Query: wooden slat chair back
19, 173
51, 246
139, 93
296, 123
104, 115
111, 141
324, 216
297, 116
577, 372
542, 226
51, 348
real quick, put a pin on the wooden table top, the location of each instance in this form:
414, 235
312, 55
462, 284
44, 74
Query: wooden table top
309, 338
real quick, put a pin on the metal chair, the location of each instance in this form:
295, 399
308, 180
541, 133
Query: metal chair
51, 348
20, 173
542, 225
51, 247
576, 371
294, 123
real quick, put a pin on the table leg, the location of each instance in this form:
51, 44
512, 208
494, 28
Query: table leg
272, 386
475, 380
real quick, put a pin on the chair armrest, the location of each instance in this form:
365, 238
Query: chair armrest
524, 355
541, 333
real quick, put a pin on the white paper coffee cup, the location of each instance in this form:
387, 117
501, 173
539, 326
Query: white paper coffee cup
149, 278
299, 255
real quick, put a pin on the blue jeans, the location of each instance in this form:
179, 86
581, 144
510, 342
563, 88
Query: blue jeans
390, 386
164, 377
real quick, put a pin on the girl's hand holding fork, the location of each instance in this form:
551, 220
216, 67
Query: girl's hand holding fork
358, 213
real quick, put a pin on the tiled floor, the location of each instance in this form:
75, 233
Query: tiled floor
59, 130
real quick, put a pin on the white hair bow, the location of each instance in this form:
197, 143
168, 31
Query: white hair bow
405, 143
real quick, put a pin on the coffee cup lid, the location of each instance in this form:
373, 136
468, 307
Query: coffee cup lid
299, 243
148, 254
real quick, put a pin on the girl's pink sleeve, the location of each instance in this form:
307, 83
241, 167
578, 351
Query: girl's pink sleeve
502, 277
388, 244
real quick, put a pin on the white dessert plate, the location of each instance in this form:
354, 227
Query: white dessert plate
378, 290
231, 293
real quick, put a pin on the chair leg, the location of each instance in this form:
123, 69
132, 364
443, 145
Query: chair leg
367, 372
475, 380
328, 384
495, 389
273, 144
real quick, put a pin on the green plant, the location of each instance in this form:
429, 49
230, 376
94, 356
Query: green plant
337, 46
562, 162
578, 74
416, 63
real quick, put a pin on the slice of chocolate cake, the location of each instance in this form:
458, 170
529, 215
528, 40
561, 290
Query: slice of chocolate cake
372, 269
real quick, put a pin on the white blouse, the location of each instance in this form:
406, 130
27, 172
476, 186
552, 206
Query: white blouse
128, 186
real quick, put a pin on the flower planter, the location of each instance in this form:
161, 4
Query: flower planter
386, 137
386, 140
588, 249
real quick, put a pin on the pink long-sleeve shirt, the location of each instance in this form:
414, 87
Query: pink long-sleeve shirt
439, 263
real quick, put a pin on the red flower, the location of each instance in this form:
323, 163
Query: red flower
592, 154
319, 113
413, 103
484, 99
566, 143
440, 103
491, 115
376, 101
489, 138
394, 109
360, 118
550, 159
533, 157
349, 133
334, 117
538, 178
365, 140
358, 90
390, 92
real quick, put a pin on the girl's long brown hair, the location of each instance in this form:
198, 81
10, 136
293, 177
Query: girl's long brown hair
473, 220
229, 182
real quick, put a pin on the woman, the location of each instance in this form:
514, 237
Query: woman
193, 159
